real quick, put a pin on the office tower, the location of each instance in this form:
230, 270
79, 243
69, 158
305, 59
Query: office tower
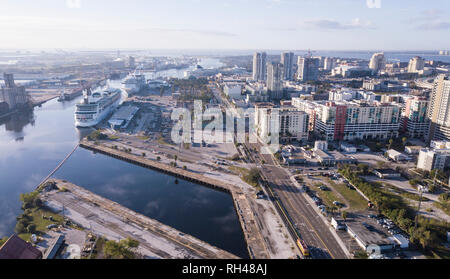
287, 59
259, 66
378, 62
308, 69
439, 110
416, 64
274, 80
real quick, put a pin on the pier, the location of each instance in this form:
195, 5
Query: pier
253, 236
114, 222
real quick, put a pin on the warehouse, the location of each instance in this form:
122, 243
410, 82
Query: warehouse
122, 117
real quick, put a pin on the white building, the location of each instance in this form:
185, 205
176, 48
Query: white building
416, 64
438, 112
289, 122
431, 159
233, 90
378, 62
321, 145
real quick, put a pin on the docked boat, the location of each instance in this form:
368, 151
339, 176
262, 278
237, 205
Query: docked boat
134, 83
95, 107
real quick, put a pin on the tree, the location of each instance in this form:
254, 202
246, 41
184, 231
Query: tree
124, 249
344, 215
404, 141
31, 228
158, 158
391, 142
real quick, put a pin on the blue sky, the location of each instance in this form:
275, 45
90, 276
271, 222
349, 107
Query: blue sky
226, 24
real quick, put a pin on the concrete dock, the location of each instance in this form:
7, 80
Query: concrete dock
253, 235
115, 222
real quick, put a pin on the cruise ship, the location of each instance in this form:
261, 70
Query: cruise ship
96, 106
134, 83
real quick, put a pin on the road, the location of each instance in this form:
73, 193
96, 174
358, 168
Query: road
308, 225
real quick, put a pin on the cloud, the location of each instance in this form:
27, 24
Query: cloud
73, 4
327, 24
433, 19
434, 25
194, 31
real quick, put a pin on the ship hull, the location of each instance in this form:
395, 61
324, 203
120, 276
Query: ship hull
99, 118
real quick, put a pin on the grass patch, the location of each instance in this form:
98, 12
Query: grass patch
250, 177
36, 217
443, 206
162, 141
143, 137
327, 197
405, 194
355, 200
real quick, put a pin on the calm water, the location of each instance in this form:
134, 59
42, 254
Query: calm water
33, 144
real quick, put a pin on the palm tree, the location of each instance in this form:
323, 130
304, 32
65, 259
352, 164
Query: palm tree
391, 142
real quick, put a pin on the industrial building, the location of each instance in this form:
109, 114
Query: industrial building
122, 117
15, 96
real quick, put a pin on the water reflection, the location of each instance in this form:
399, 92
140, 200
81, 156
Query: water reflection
18, 121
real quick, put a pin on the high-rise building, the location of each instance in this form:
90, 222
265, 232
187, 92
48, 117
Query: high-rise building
416, 64
439, 110
378, 62
287, 59
308, 69
259, 66
274, 80
131, 62
357, 120
415, 122
328, 64
291, 123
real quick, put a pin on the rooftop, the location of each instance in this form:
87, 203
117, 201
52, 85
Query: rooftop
16, 248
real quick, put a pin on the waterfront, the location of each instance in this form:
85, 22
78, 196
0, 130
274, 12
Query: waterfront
33, 144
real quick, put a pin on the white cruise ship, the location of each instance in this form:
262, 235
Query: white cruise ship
94, 108
134, 83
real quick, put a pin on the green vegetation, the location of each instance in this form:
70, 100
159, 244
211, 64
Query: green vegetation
250, 177
124, 249
143, 137
97, 135
3, 240
405, 194
328, 198
112, 137
355, 200
36, 217
430, 233
193, 89
444, 203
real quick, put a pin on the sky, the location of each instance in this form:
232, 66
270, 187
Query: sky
226, 24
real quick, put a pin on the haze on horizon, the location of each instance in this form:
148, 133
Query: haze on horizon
232, 24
